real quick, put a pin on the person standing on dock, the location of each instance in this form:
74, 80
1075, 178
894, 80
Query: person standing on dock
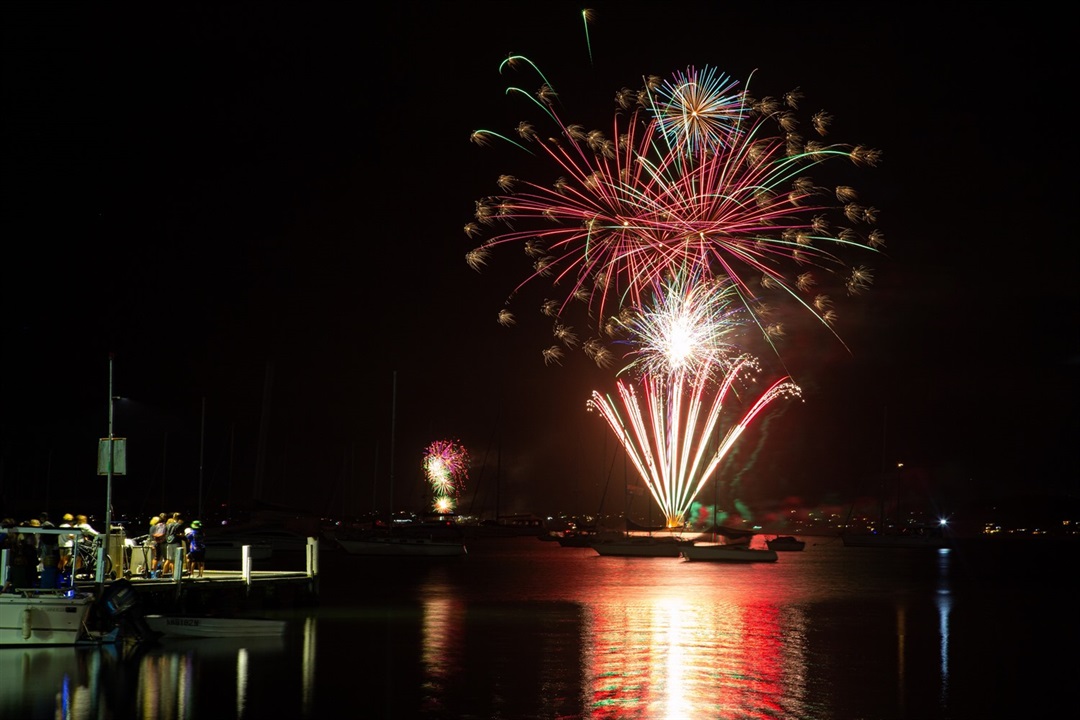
174, 540
157, 543
67, 542
196, 548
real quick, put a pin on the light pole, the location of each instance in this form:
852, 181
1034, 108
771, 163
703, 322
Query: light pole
99, 575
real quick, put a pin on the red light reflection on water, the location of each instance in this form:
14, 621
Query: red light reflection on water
680, 651
679, 658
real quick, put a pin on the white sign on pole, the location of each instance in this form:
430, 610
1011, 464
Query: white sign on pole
119, 458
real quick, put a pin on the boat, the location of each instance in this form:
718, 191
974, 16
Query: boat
214, 627
920, 536
403, 545
37, 616
232, 549
43, 616
587, 538
785, 543
641, 546
727, 552
225, 545
897, 531
638, 540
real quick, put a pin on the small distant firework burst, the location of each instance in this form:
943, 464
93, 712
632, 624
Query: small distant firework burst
446, 464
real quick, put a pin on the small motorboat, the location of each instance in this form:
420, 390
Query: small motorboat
785, 543
34, 616
214, 627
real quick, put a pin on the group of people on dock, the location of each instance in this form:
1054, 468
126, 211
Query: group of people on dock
41, 559
169, 539
48, 560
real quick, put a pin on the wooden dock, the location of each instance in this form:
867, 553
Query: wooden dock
227, 592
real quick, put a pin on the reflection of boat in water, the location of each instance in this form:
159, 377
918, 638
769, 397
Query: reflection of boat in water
726, 552
214, 627
35, 616
785, 543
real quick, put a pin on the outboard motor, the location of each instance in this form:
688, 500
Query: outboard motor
122, 604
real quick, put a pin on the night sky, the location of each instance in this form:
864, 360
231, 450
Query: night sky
259, 210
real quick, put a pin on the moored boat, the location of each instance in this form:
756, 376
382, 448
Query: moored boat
643, 546
35, 616
923, 537
725, 552
785, 543
214, 627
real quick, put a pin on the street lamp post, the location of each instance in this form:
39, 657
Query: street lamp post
99, 576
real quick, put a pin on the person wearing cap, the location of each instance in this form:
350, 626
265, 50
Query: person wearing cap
174, 540
67, 542
196, 548
157, 545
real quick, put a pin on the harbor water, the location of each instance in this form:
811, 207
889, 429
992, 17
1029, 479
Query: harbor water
521, 629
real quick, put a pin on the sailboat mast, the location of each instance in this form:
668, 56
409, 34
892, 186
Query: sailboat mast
393, 424
884, 433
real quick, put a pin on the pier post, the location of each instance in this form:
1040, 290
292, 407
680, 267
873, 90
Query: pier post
245, 565
313, 564
312, 557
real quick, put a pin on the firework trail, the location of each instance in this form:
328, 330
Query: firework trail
694, 173
587, 16
446, 465
666, 422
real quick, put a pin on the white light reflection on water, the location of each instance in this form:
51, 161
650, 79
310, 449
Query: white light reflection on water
307, 659
944, 604
241, 681
687, 654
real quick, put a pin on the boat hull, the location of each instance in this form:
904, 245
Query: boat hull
644, 547
785, 544
404, 546
214, 627
233, 550
896, 541
33, 617
710, 552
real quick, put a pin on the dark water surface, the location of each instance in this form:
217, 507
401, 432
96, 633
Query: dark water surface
526, 629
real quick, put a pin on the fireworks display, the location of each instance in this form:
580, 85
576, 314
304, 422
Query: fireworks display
690, 230
695, 173
690, 376
446, 465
